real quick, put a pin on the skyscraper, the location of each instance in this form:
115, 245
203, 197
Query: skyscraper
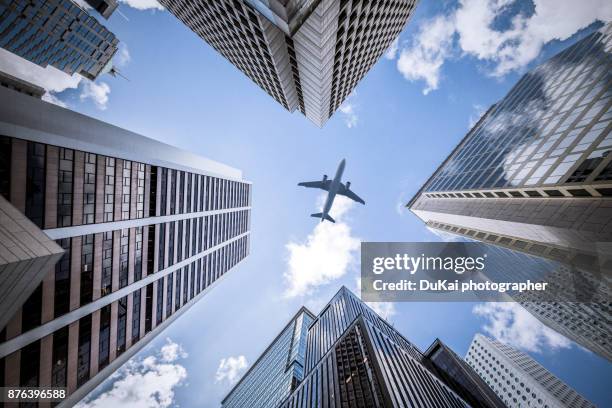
277, 371
518, 379
146, 230
535, 173
353, 358
307, 54
57, 33
460, 377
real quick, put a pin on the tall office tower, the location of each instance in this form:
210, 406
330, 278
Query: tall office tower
460, 377
356, 359
57, 33
146, 230
276, 373
307, 54
518, 379
535, 173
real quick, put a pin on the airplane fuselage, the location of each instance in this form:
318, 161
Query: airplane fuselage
333, 188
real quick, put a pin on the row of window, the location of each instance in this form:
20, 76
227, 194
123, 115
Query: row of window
193, 279
123, 198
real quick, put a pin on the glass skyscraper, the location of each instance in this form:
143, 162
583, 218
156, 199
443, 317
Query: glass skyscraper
353, 358
536, 171
534, 175
144, 231
277, 372
58, 33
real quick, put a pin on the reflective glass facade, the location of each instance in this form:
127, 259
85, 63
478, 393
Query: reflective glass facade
58, 33
553, 128
275, 374
354, 358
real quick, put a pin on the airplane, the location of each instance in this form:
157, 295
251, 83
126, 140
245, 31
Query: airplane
332, 187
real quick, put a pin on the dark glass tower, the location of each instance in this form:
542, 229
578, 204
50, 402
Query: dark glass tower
276, 373
146, 230
58, 33
353, 358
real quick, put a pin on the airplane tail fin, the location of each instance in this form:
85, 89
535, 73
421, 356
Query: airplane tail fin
320, 215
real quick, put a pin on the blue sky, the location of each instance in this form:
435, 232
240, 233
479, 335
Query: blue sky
182, 92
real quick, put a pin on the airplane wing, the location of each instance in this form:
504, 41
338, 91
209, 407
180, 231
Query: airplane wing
348, 193
323, 185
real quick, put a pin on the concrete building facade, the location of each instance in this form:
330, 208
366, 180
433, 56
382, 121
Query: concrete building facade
518, 379
146, 230
307, 54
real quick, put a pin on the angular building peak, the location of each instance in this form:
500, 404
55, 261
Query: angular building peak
309, 55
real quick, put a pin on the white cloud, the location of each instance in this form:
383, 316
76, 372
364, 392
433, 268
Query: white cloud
230, 369
510, 323
391, 52
122, 57
431, 46
143, 4
326, 254
97, 92
470, 30
145, 383
350, 116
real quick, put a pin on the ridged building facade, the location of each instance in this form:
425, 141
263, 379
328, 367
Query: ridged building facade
307, 54
146, 230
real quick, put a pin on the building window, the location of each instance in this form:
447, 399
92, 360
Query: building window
170, 279
149, 308
126, 191
107, 263
136, 316
59, 370
31, 312
163, 193
140, 190
84, 350
172, 197
138, 255
64, 187
87, 252
104, 344
89, 189
123, 257
35, 183
177, 298
121, 324
109, 189
171, 244
182, 193
161, 251
160, 300
29, 365
61, 297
